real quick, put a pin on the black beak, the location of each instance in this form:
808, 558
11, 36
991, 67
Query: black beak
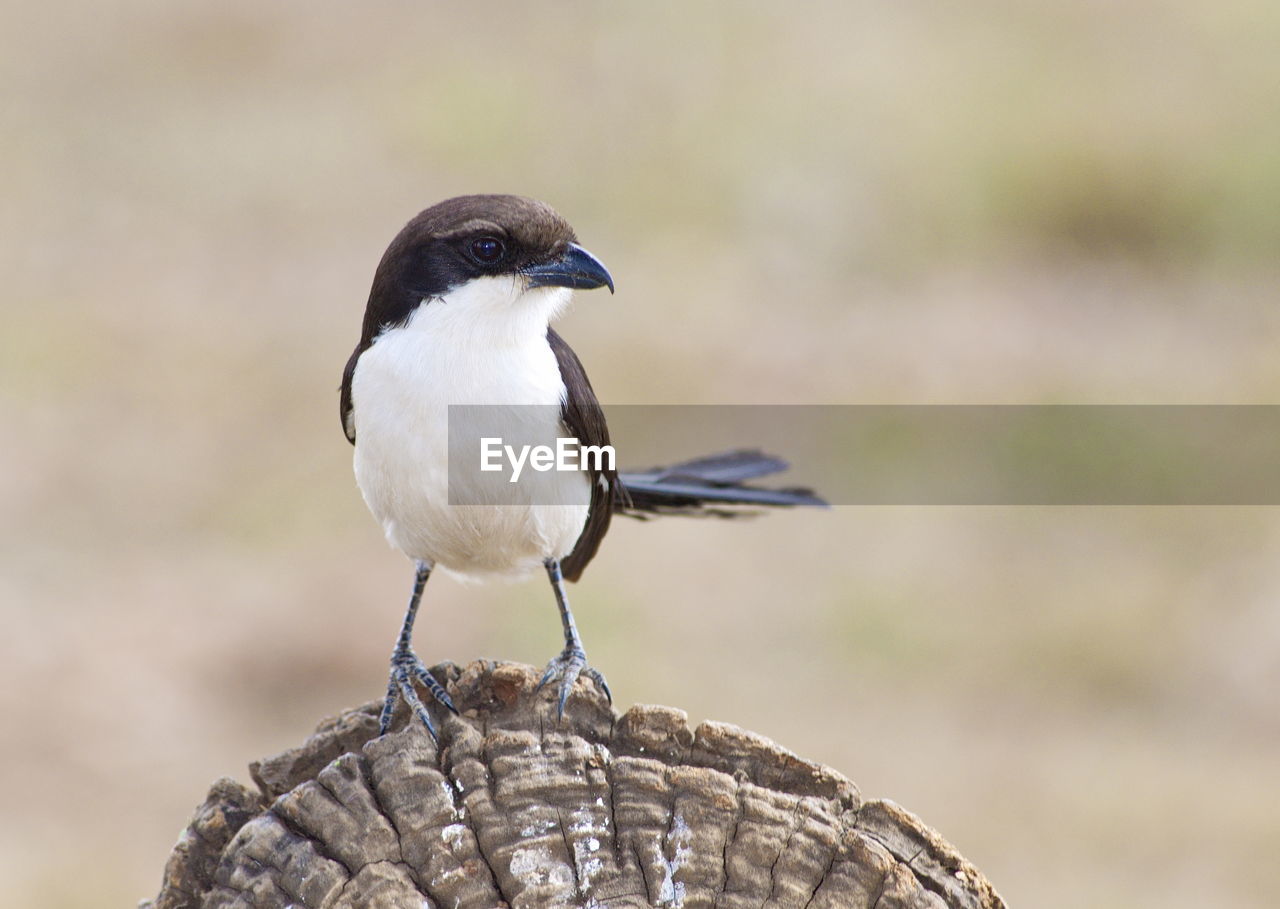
574, 268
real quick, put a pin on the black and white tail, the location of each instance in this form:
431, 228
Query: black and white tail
712, 486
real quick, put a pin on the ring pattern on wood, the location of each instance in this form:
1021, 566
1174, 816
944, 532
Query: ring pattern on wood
512, 808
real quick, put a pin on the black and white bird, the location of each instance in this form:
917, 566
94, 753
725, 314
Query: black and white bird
459, 314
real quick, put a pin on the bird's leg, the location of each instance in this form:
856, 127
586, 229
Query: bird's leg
572, 661
406, 667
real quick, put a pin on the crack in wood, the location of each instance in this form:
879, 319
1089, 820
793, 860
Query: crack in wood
678, 801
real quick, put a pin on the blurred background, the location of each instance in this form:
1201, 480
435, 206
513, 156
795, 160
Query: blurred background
842, 203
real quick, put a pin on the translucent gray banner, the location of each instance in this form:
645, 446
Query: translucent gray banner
916, 454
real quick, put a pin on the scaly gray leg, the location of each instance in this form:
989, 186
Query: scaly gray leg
572, 661
406, 667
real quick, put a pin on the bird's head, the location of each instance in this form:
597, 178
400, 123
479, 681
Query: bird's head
488, 258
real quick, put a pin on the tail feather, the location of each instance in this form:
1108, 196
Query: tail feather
724, 468
710, 486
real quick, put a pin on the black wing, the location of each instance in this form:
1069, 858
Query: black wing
344, 400
583, 417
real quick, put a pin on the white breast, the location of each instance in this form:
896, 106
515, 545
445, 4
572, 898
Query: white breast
483, 343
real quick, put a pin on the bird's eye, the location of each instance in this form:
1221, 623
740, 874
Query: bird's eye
487, 250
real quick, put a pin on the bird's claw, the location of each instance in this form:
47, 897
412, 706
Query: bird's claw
406, 668
571, 663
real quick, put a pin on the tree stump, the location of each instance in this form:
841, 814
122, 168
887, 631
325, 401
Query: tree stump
512, 808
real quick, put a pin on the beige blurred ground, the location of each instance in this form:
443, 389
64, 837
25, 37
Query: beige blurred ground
827, 203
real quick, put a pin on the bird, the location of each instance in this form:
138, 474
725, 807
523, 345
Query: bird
459, 313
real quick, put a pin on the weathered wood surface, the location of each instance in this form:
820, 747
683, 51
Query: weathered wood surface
514, 809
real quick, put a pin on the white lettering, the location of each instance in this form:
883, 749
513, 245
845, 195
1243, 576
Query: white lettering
543, 458
517, 464
490, 449
567, 455
601, 453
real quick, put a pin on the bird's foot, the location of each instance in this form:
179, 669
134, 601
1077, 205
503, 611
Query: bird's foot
571, 663
406, 668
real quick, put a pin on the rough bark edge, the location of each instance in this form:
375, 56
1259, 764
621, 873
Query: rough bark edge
188, 874
500, 699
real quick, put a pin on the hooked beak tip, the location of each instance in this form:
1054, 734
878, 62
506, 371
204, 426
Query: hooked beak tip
575, 268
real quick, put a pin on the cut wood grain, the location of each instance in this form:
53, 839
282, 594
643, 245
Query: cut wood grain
511, 808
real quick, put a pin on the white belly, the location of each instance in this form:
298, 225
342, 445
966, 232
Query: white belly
401, 390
